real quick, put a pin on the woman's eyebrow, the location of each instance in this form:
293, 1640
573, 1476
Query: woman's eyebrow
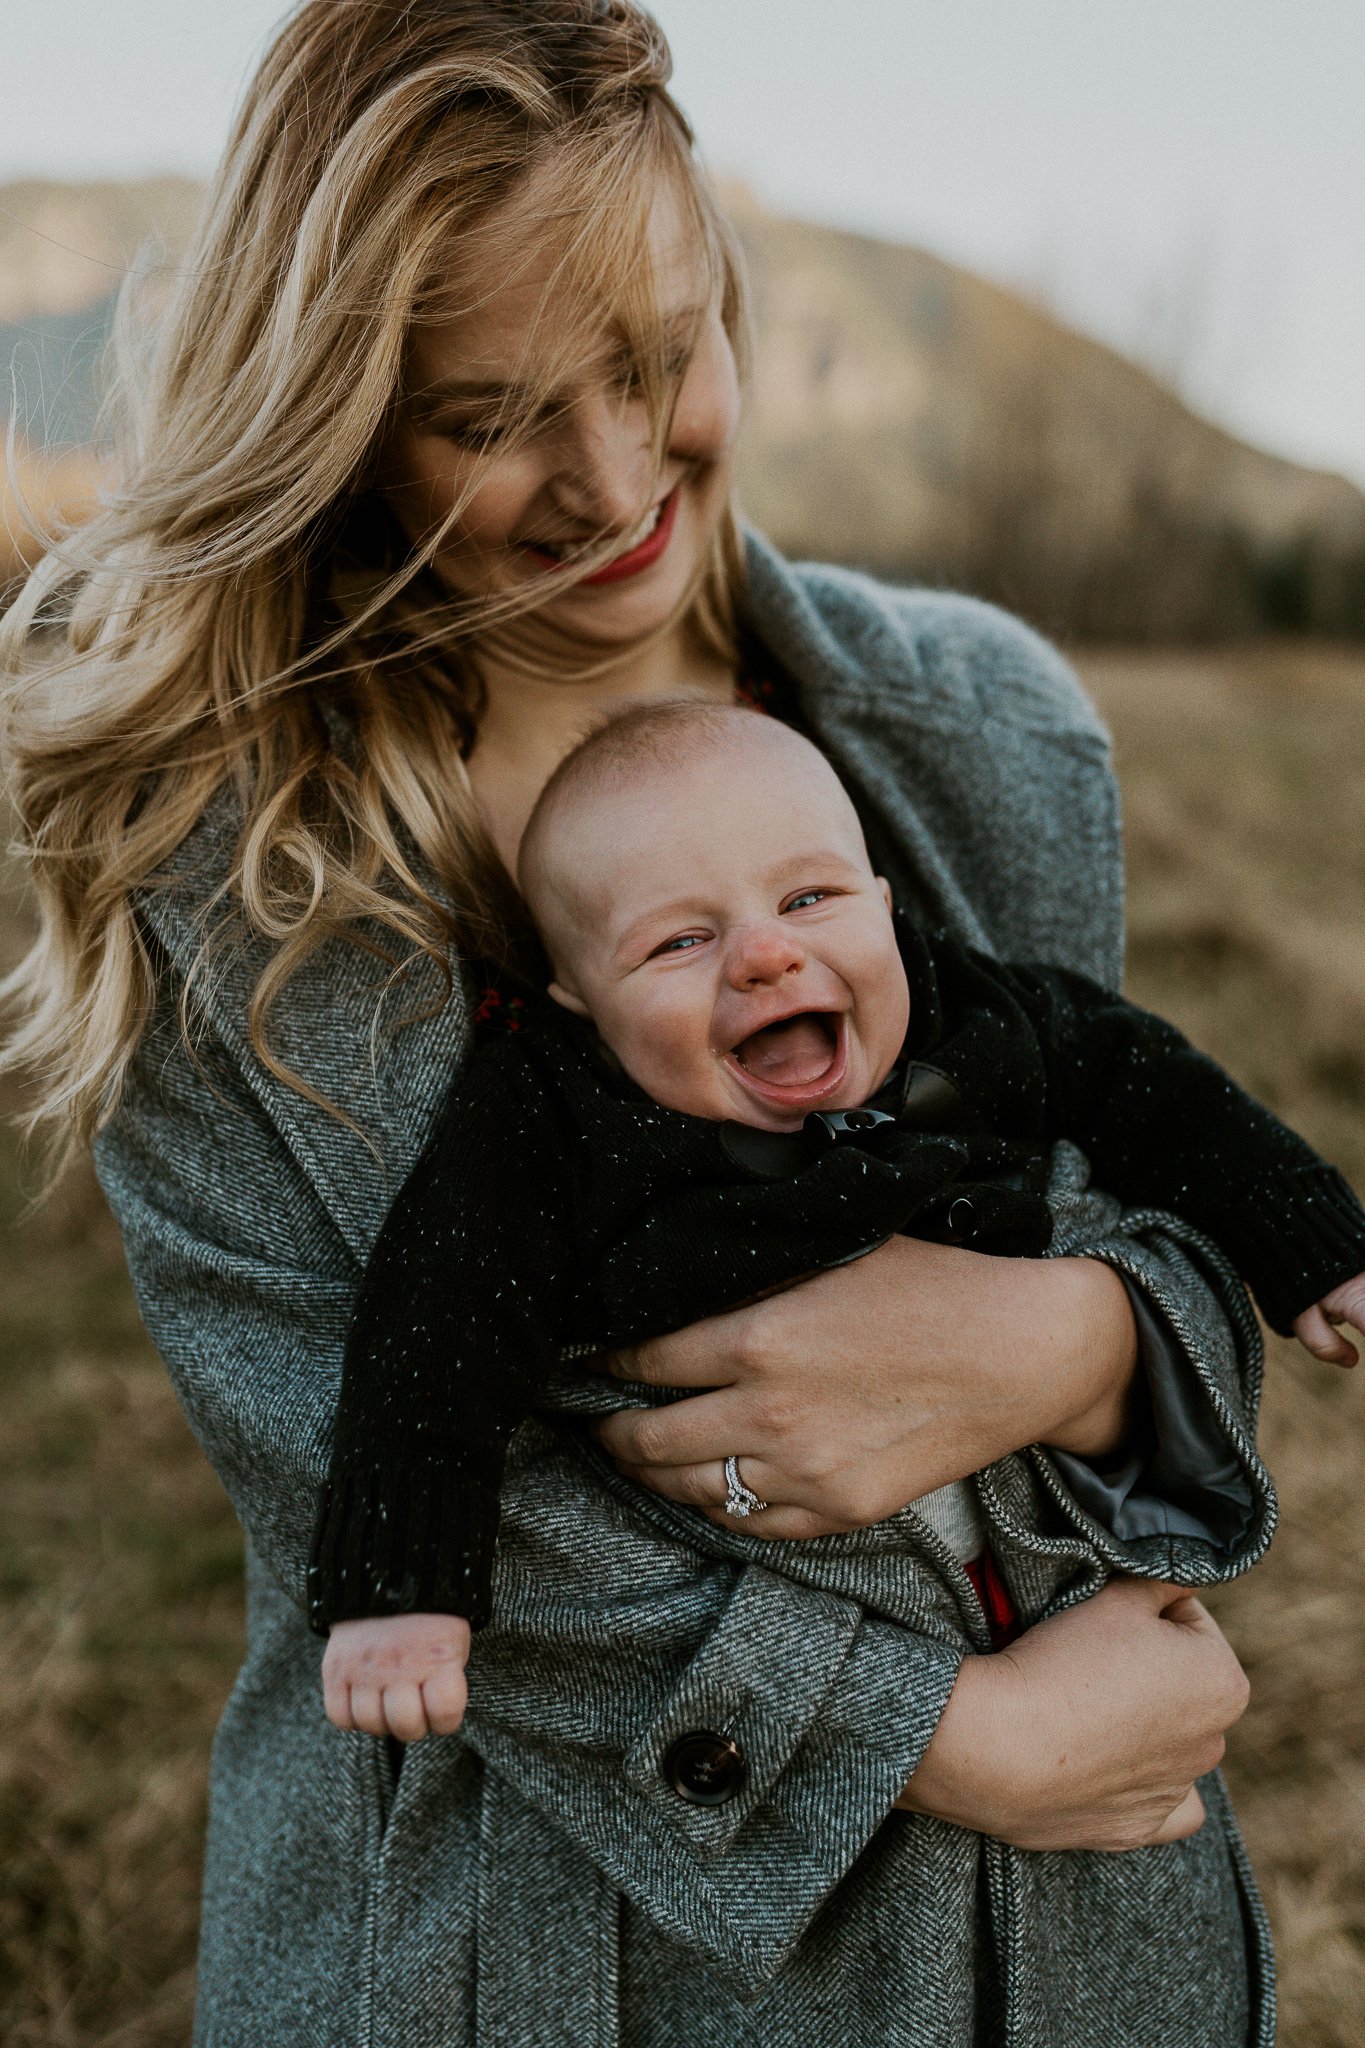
448, 390
444, 390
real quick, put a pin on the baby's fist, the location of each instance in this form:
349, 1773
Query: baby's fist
1314, 1328
397, 1674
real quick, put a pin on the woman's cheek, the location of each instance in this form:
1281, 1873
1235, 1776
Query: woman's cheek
428, 475
706, 419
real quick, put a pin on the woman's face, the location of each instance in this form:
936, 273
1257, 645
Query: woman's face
586, 472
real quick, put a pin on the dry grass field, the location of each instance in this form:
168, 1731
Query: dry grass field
1246, 819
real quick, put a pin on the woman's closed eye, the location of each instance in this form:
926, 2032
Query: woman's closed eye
630, 376
475, 434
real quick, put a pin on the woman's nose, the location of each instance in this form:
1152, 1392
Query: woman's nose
608, 470
763, 953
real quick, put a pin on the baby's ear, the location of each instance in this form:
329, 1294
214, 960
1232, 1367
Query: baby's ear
568, 1000
885, 888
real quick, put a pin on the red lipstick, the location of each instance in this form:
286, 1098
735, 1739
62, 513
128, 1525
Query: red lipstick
632, 564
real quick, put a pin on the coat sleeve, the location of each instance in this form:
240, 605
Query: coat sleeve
608, 1639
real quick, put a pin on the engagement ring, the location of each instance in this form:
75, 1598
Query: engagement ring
740, 1500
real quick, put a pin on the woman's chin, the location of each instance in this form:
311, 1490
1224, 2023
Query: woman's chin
605, 615
616, 614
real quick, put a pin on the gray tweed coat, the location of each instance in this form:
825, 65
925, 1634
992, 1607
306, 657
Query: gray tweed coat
535, 1882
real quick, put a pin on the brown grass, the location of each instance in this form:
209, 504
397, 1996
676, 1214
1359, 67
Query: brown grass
1246, 832
1246, 819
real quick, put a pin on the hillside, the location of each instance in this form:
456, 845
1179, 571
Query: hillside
907, 416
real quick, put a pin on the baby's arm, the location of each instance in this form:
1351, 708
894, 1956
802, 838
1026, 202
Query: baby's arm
397, 1674
1163, 1125
449, 1342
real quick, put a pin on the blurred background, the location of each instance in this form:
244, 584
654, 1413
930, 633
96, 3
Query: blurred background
1060, 302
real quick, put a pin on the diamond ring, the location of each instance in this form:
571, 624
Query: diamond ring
740, 1500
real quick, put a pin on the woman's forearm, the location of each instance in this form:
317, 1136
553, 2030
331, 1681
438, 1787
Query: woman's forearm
1090, 1376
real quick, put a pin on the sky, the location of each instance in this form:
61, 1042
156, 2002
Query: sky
1183, 178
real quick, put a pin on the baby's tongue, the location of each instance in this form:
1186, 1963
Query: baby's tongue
791, 1054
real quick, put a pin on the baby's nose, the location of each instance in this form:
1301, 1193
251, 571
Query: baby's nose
764, 952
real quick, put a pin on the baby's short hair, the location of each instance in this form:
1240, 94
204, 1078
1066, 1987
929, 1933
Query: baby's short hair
626, 745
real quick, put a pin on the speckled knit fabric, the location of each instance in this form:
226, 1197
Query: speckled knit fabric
536, 1882
556, 1208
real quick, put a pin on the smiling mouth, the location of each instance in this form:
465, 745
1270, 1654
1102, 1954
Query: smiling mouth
639, 549
797, 1060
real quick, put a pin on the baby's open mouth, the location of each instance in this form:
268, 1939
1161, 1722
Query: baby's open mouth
796, 1057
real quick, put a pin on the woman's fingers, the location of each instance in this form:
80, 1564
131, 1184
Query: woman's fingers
695, 1432
703, 1487
1091, 1730
1185, 1820
694, 1357
692, 1486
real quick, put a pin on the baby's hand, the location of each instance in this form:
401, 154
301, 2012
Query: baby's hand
1345, 1304
398, 1674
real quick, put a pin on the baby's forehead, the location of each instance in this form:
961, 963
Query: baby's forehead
717, 811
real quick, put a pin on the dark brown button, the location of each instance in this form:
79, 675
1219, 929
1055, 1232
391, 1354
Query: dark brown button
705, 1769
962, 1217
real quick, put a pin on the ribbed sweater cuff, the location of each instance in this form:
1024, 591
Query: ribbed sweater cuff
402, 1539
1294, 1239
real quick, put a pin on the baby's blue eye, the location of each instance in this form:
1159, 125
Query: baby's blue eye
807, 896
685, 943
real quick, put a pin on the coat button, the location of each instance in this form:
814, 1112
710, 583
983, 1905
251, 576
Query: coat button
962, 1217
705, 1769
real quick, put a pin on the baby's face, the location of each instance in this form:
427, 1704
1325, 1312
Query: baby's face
723, 929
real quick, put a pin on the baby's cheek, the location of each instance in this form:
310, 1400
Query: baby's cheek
884, 1003
669, 1056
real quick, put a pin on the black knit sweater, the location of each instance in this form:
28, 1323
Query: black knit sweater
556, 1205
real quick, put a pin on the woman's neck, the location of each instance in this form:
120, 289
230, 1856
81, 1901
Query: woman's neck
532, 716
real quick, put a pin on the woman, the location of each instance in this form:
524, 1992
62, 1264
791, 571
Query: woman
431, 465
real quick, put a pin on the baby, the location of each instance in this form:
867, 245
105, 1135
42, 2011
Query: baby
750, 1069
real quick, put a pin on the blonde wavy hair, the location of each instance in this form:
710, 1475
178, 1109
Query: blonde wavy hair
191, 634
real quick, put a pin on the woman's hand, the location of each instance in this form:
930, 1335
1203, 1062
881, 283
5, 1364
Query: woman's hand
863, 1388
1090, 1730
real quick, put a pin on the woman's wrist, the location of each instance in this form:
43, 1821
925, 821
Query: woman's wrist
1094, 1368
957, 1777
